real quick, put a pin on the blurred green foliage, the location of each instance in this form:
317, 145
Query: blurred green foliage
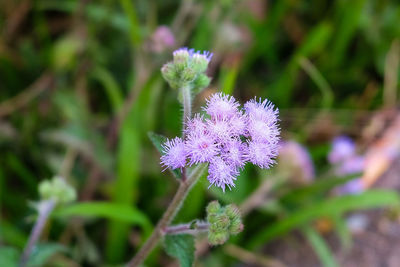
80, 88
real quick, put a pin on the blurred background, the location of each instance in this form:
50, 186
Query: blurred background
80, 88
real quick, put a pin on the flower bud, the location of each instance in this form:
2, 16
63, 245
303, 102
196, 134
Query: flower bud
181, 58
169, 73
232, 211
199, 62
188, 69
222, 222
236, 227
202, 81
58, 190
213, 207
188, 75
217, 238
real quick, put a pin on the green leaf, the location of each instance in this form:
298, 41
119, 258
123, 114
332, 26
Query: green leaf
10, 234
317, 189
330, 207
158, 140
320, 247
9, 256
112, 88
43, 252
180, 247
343, 231
119, 212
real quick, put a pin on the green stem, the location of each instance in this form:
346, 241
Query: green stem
172, 210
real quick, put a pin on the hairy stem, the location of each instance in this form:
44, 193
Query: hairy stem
187, 228
187, 105
44, 210
173, 208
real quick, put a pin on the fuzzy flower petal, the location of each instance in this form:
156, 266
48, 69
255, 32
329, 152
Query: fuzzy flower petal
195, 125
220, 129
234, 153
174, 154
221, 106
264, 111
221, 174
262, 154
200, 148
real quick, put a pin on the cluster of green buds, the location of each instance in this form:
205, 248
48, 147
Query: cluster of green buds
187, 70
58, 190
223, 222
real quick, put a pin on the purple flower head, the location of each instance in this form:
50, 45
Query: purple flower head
220, 106
261, 110
342, 148
174, 154
262, 121
262, 154
294, 158
228, 138
220, 129
195, 125
221, 174
200, 147
238, 124
234, 153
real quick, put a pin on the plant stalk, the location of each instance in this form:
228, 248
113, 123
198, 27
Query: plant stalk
173, 208
187, 228
44, 210
185, 185
187, 106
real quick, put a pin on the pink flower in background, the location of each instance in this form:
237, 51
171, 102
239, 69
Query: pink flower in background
161, 39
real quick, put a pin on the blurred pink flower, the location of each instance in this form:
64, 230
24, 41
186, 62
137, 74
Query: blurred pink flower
161, 39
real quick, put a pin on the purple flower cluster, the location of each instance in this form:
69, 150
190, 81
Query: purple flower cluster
346, 160
227, 139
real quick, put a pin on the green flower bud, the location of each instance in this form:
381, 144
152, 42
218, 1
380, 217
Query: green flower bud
222, 221
232, 211
217, 238
58, 190
213, 207
199, 63
181, 59
188, 75
236, 227
45, 190
202, 81
169, 72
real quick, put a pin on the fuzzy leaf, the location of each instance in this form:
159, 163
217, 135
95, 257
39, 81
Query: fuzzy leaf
180, 247
158, 140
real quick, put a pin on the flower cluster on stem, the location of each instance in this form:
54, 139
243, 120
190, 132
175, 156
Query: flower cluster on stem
227, 138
